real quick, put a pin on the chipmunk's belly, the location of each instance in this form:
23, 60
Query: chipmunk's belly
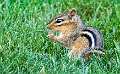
79, 46
81, 43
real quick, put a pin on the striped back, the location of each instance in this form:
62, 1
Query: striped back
95, 38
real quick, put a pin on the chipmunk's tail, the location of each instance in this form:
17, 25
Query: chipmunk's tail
97, 51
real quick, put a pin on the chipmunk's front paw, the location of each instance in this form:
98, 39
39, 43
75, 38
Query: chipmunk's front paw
74, 54
51, 36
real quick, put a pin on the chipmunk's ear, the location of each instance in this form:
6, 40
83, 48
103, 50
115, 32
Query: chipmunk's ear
72, 12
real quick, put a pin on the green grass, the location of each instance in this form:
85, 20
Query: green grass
25, 48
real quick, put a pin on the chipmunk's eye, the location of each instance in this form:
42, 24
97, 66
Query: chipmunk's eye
59, 20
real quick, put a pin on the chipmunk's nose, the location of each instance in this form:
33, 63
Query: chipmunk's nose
49, 26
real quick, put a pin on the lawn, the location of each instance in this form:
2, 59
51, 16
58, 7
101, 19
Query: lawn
26, 49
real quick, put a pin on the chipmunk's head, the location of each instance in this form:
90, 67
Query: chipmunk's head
65, 22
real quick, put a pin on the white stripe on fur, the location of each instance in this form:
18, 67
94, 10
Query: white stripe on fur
91, 36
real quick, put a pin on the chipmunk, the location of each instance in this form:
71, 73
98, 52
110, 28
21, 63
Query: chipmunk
81, 40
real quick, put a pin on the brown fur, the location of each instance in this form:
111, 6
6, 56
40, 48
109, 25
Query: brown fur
71, 30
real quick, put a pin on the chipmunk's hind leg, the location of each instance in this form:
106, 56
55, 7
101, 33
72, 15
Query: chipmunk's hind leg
74, 54
79, 54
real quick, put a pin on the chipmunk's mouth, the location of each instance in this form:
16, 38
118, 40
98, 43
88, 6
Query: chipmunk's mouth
56, 33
